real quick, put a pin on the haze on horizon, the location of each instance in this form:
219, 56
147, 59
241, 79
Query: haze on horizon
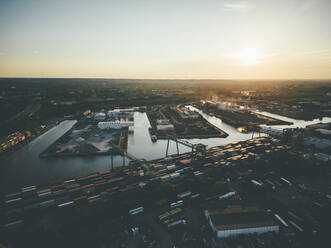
214, 39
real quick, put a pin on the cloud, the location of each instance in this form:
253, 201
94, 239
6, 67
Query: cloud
238, 6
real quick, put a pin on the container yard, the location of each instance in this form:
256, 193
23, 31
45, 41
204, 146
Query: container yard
12, 140
169, 214
181, 122
104, 184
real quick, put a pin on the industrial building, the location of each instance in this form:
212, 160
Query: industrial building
115, 124
99, 116
186, 113
120, 113
116, 119
164, 125
235, 220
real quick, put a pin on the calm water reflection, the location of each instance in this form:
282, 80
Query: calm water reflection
25, 167
296, 123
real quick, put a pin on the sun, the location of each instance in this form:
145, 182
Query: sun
249, 56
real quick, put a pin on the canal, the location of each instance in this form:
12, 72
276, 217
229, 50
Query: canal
24, 167
296, 123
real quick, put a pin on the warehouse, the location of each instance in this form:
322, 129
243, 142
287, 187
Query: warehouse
236, 220
115, 124
121, 113
99, 116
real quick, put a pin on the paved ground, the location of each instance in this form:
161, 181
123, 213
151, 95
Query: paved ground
162, 236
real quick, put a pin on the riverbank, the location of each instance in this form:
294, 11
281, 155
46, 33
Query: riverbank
187, 124
26, 167
85, 139
243, 120
296, 122
40, 131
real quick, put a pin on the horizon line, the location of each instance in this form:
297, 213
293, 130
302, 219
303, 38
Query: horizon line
168, 79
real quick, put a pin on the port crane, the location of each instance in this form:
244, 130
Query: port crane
134, 160
195, 147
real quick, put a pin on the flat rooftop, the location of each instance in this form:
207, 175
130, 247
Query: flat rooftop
238, 217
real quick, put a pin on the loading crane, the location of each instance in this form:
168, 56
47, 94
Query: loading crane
124, 153
195, 147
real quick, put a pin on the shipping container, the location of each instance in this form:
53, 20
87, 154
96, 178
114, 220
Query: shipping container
46, 204
176, 204
136, 211
66, 204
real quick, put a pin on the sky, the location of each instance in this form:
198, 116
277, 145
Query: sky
169, 39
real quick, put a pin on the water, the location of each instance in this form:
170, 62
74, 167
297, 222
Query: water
296, 123
24, 167
234, 134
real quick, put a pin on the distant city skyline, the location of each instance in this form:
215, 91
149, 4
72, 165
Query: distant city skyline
174, 39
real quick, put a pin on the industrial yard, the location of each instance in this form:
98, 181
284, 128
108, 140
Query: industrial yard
180, 191
181, 122
94, 134
240, 191
244, 120
165, 124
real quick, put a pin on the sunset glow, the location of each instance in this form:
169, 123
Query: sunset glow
249, 56
212, 39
